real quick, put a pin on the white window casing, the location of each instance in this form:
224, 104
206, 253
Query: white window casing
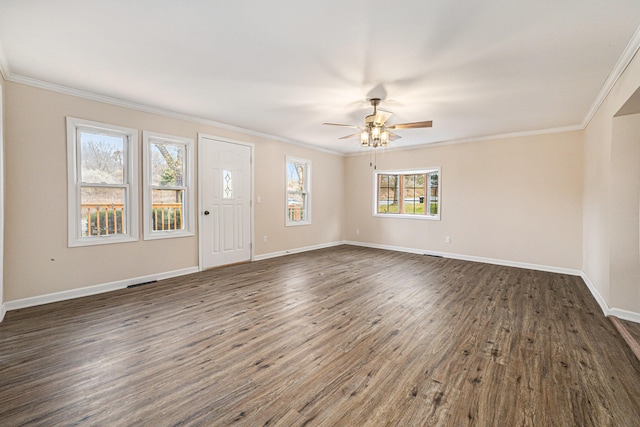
119, 223
162, 220
425, 196
298, 191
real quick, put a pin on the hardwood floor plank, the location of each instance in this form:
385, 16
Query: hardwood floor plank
339, 336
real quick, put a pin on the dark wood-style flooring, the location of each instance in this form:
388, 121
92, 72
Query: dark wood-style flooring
344, 336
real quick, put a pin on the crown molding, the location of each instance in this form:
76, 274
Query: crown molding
4, 64
621, 65
66, 90
623, 62
493, 137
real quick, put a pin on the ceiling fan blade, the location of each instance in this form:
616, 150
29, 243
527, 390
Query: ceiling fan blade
393, 136
426, 124
341, 125
382, 116
350, 136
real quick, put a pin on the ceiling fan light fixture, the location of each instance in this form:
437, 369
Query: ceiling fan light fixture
375, 136
364, 138
384, 137
375, 132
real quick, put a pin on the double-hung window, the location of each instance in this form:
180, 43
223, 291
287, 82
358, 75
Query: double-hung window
408, 194
168, 181
298, 205
102, 183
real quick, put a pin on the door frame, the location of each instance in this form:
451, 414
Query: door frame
204, 136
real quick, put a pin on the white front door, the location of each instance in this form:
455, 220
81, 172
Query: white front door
225, 180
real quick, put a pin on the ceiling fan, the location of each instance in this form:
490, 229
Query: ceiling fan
375, 133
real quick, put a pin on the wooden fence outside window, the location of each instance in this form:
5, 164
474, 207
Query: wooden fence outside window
104, 219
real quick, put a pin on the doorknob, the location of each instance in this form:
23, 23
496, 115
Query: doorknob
206, 212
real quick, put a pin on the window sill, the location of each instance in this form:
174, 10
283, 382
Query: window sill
168, 234
295, 224
409, 216
101, 240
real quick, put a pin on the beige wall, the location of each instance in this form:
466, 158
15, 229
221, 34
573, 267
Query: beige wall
2, 180
541, 200
326, 199
517, 200
38, 261
624, 208
603, 172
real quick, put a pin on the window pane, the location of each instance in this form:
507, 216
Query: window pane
102, 158
296, 175
167, 210
167, 164
414, 194
296, 207
387, 194
102, 211
227, 184
434, 195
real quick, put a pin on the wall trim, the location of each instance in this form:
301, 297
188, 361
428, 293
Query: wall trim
298, 250
599, 299
66, 90
121, 284
621, 65
494, 137
93, 290
525, 265
630, 316
606, 310
623, 62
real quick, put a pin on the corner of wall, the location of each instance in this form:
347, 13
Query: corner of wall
594, 291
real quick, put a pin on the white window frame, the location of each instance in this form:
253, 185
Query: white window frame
75, 238
307, 191
407, 172
188, 200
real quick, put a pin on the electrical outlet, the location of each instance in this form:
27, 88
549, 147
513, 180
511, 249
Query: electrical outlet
264, 239
447, 240
357, 231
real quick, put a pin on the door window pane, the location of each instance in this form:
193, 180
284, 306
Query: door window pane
227, 184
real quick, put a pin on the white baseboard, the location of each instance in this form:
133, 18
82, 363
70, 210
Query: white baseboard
599, 299
631, 316
606, 310
106, 287
547, 268
93, 290
297, 250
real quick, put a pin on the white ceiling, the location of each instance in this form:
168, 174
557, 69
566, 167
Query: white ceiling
283, 67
